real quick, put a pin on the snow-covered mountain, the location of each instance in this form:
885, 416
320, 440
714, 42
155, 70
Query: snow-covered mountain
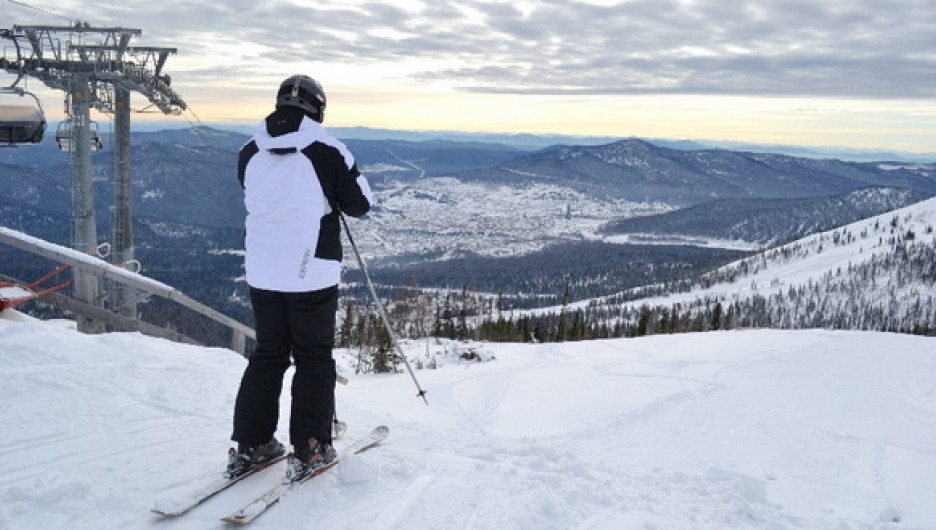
763, 222
877, 273
569, 193
638, 171
742, 429
479, 215
442, 196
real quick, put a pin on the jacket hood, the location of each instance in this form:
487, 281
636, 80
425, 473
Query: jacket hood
286, 128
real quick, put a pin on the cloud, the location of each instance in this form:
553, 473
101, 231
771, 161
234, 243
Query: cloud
834, 48
724, 47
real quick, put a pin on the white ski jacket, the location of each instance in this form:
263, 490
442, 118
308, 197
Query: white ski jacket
295, 178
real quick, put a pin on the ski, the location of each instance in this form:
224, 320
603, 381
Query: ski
264, 502
180, 507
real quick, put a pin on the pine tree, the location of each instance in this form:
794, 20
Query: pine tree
347, 327
385, 360
643, 322
717, 317
461, 331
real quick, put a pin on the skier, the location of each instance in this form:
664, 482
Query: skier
296, 179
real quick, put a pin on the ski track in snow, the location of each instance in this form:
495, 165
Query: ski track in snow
743, 429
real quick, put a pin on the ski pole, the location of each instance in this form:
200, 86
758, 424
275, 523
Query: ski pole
380, 309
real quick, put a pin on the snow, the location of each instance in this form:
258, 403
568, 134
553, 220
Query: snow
13, 292
742, 429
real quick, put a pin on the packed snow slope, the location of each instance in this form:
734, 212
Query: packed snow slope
743, 429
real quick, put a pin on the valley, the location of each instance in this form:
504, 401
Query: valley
530, 228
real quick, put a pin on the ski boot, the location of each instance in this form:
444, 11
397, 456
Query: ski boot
307, 459
245, 458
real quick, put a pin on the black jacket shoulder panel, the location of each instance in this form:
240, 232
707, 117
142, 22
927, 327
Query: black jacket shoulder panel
339, 184
246, 153
339, 181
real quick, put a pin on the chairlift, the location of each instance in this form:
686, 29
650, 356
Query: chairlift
21, 124
65, 138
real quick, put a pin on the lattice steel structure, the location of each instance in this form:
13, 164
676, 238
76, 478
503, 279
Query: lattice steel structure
97, 68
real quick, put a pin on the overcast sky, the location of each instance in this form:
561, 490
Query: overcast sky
823, 72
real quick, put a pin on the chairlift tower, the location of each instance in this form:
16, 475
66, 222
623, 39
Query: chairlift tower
97, 68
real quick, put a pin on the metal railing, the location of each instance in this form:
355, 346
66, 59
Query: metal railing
146, 286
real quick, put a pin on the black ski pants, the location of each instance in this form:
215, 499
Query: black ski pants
301, 326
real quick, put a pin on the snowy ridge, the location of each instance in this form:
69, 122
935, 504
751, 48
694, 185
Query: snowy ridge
766, 223
819, 256
752, 429
874, 274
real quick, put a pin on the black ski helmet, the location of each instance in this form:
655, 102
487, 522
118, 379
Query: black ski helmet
303, 92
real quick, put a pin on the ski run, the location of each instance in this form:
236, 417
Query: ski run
743, 429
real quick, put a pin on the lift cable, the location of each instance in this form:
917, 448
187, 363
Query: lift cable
43, 11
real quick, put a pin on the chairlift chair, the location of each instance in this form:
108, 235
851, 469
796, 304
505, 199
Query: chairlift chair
21, 124
64, 136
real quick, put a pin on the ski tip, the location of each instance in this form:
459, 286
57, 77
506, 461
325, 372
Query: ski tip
167, 509
378, 434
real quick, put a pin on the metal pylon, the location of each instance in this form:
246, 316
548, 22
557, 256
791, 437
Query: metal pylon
97, 68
